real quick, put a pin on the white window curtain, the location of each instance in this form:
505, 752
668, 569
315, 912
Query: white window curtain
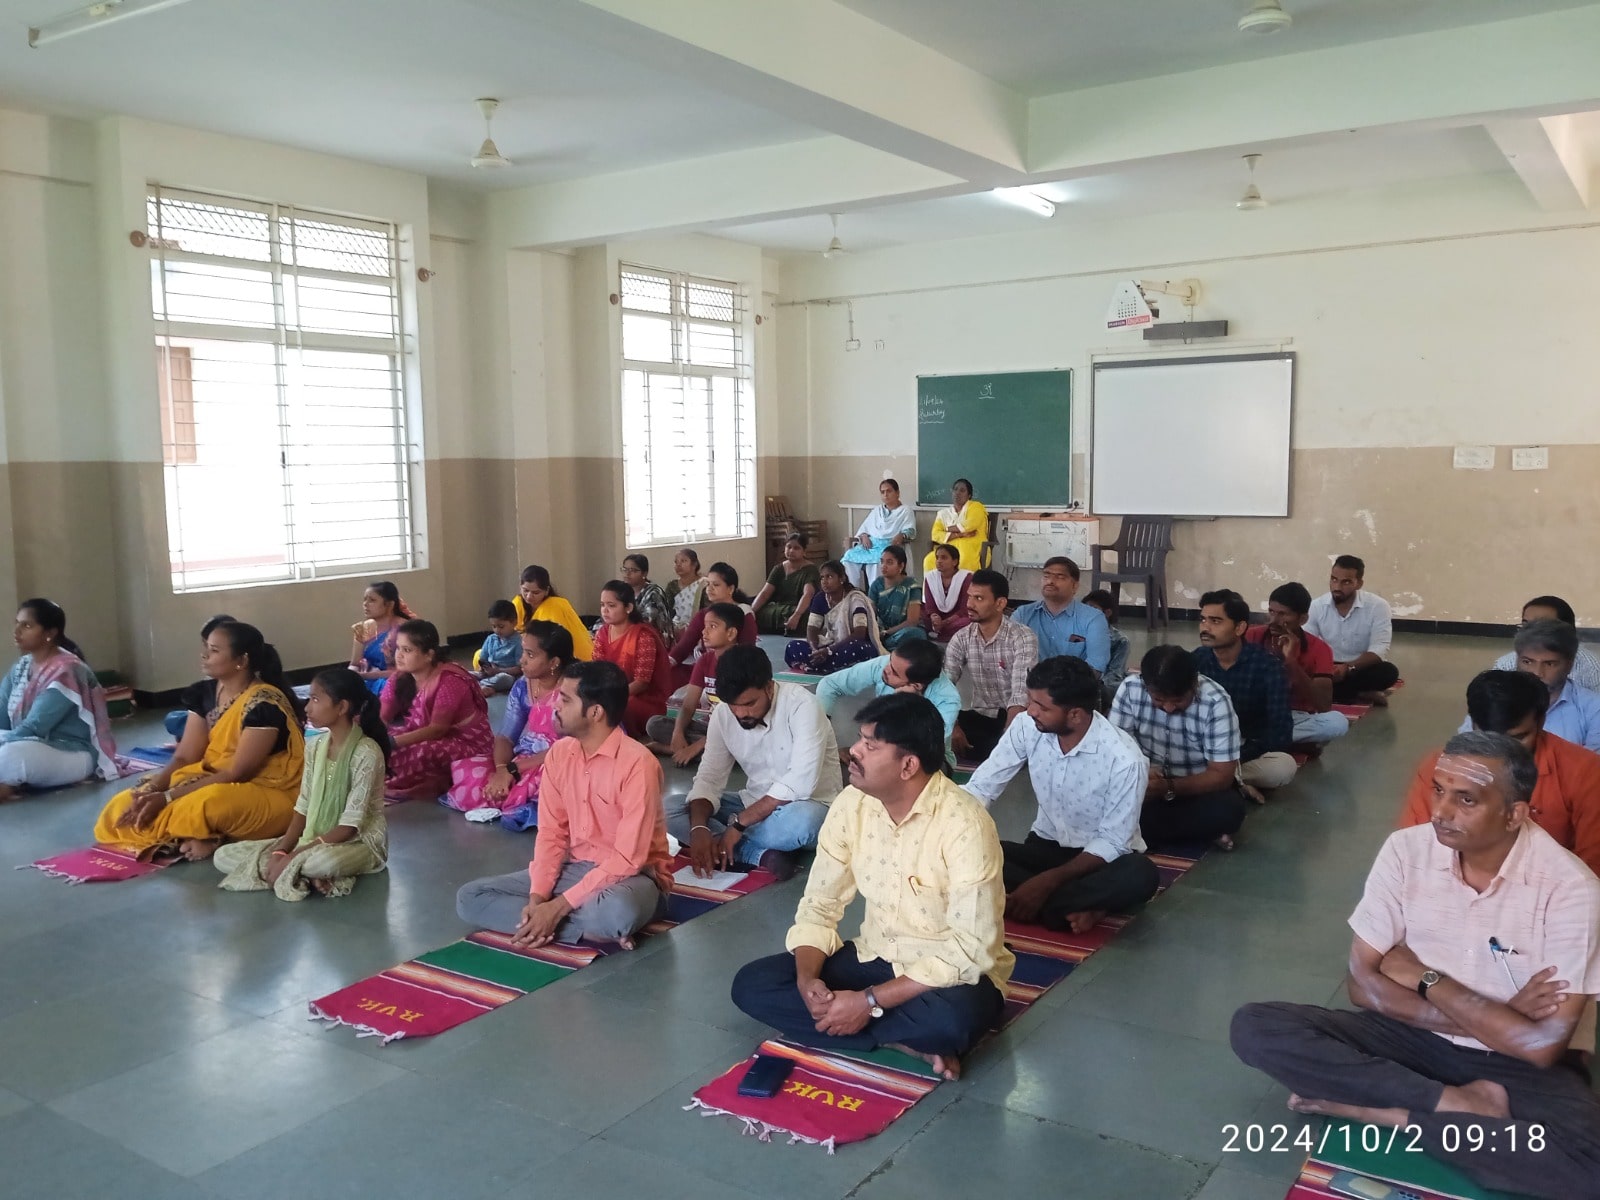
280, 351
688, 410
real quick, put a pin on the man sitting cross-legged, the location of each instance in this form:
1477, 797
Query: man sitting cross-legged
1084, 856
777, 734
1548, 650
916, 667
996, 652
1359, 626
928, 970
1307, 661
1476, 949
1256, 683
600, 869
1585, 667
1566, 800
1186, 727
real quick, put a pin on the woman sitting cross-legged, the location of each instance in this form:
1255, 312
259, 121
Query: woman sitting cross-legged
372, 652
721, 587
897, 599
236, 771
53, 724
841, 631
783, 602
537, 600
338, 830
508, 779
625, 639
648, 595
686, 594
944, 595
435, 713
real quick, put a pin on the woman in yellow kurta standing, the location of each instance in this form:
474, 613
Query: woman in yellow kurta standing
236, 772
964, 524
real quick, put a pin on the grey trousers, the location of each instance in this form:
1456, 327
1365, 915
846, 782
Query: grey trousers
621, 910
1373, 1061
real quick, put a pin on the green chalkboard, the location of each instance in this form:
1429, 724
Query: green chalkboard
1011, 434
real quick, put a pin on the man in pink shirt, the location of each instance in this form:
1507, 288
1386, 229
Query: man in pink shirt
1476, 953
600, 869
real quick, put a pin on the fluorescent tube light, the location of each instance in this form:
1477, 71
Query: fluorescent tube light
96, 15
1027, 198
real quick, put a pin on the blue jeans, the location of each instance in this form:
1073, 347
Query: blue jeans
791, 826
1320, 727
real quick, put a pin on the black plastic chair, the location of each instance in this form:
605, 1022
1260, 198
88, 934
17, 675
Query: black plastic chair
1142, 546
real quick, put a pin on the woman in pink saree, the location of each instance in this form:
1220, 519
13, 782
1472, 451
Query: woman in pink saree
435, 712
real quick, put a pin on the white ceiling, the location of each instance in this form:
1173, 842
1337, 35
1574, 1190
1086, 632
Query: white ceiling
1357, 162
1044, 46
385, 81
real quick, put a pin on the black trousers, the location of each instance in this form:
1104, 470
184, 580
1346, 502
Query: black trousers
1366, 1059
983, 733
1199, 818
1121, 884
1377, 677
943, 1021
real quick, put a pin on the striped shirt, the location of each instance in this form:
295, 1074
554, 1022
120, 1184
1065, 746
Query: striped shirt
1182, 743
1544, 903
999, 666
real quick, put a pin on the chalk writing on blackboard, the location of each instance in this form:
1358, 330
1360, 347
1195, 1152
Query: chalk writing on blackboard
986, 392
930, 410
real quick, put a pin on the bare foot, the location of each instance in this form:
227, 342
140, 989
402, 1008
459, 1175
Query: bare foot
1482, 1097
1377, 699
322, 887
1253, 793
1225, 842
1388, 1117
947, 1066
1082, 922
7, 793
627, 943
198, 849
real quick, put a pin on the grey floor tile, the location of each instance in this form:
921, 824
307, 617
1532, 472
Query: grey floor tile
604, 1168
589, 1060
50, 1050
455, 1144
217, 1098
1156, 1089
1232, 1183
44, 1156
11, 1103
1023, 1155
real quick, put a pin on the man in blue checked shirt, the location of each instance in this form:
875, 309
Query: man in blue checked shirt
1064, 624
1259, 688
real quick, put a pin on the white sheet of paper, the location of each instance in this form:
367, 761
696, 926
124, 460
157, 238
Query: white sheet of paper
720, 881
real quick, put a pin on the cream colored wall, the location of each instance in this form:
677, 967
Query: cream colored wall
1422, 319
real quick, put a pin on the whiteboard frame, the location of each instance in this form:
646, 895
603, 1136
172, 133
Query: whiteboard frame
1095, 367
1030, 506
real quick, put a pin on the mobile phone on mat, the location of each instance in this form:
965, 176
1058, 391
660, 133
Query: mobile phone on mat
766, 1075
1348, 1183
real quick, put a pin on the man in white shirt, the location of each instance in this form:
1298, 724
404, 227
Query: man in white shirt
1359, 628
1084, 856
779, 736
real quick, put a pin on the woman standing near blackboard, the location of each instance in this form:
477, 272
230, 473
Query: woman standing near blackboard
964, 524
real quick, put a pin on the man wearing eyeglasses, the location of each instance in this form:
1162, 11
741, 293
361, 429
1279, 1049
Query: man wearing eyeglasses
1063, 624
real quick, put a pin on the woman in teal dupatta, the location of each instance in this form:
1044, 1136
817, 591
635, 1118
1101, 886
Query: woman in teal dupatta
338, 830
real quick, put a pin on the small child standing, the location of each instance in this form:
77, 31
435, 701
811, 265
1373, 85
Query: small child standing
1117, 668
500, 660
684, 736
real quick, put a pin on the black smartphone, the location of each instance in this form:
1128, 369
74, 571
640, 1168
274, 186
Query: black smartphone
765, 1076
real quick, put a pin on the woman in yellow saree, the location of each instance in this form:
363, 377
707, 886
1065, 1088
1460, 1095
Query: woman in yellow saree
236, 772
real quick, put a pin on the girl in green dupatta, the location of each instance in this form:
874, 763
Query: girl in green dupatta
338, 830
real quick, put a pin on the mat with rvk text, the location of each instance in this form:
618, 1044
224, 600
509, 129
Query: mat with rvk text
485, 970
833, 1098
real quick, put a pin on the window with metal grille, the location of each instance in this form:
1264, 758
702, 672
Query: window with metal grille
688, 410
284, 426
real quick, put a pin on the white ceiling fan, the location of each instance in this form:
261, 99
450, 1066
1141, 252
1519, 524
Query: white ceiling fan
1252, 198
835, 247
488, 155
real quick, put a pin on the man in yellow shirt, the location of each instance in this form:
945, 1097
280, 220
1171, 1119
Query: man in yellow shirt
927, 972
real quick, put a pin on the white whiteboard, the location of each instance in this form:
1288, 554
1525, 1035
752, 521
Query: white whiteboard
1193, 437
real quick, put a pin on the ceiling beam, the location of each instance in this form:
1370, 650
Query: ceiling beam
817, 175
1528, 66
818, 63
1557, 183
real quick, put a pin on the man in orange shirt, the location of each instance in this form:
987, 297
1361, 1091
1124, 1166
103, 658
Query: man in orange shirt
1566, 801
600, 869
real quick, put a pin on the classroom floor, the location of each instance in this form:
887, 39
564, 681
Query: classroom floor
154, 1040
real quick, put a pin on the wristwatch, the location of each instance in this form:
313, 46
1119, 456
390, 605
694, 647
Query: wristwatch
874, 1009
735, 823
1429, 978
513, 770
